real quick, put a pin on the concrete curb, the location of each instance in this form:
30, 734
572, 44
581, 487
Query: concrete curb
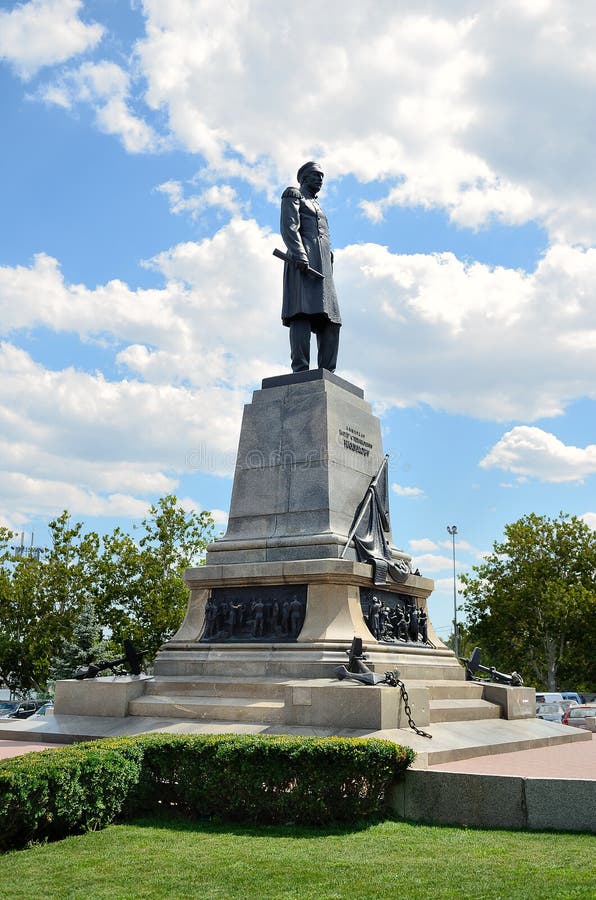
496, 801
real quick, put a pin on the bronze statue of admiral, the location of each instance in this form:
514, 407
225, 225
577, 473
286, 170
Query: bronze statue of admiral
309, 297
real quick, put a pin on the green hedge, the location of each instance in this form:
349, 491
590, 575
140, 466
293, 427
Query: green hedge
70, 790
276, 779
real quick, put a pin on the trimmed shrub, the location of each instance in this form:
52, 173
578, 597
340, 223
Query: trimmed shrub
273, 779
51, 794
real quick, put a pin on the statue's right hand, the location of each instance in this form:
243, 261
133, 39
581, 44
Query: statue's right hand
303, 266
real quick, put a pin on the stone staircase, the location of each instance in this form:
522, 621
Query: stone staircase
266, 699
213, 698
458, 701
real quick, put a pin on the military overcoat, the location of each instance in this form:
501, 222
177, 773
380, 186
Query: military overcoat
305, 232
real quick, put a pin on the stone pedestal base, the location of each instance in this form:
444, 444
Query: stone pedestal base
515, 702
98, 696
333, 618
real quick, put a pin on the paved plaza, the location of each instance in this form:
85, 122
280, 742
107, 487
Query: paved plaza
576, 760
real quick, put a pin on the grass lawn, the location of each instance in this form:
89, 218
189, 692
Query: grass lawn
155, 859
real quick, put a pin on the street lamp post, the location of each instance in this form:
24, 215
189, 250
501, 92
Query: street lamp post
452, 529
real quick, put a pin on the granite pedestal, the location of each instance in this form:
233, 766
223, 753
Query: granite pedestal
309, 449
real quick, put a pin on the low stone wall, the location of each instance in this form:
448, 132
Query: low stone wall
515, 702
98, 696
496, 801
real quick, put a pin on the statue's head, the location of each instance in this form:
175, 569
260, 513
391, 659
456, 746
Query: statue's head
311, 175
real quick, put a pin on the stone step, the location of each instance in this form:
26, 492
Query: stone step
283, 664
237, 668
223, 686
463, 710
448, 690
226, 709
272, 687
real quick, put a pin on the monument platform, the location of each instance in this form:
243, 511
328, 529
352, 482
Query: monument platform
450, 741
307, 564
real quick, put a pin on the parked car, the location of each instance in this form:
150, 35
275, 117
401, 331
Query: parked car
571, 695
46, 710
548, 697
19, 709
7, 707
550, 712
567, 704
576, 716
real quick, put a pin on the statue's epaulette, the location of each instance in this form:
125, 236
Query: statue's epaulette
292, 192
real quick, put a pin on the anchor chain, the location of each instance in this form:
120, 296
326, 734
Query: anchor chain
392, 679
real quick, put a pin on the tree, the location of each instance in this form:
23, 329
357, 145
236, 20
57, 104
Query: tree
86, 644
22, 640
135, 588
531, 605
40, 599
141, 593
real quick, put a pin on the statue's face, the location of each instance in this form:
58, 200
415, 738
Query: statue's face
313, 181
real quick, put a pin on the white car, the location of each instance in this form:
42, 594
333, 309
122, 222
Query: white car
550, 712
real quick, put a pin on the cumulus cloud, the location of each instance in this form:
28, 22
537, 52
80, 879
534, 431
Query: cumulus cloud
422, 545
188, 351
223, 78
590, 519
480, 111
36, 496
402, 491
431, 562
531, 451
43, 33
491, 343
220, 197
107, 88
75, 440
88, 416
461, 545
477, 110
467, 338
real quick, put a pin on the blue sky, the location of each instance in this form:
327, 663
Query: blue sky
145, 147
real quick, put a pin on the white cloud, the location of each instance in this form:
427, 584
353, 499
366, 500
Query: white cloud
44, 33
431, 562
43, 496
402, 491
478, 110
220, 517
590, 519
461, 545
87, 416
107, 88
75, 440
110, 309
224, 77
526, 450
190, 347
465, 338
444, 586
221, 197
422, 545
111, 476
